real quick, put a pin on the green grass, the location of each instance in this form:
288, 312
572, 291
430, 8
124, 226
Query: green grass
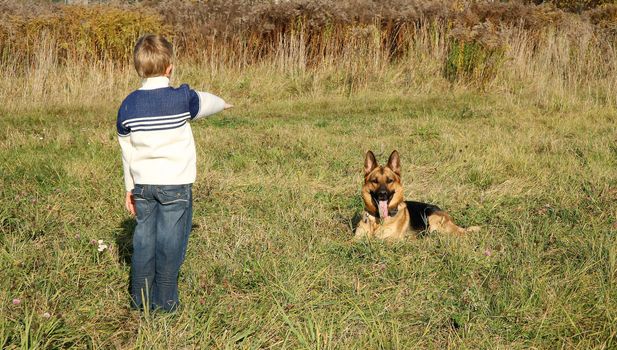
271, 262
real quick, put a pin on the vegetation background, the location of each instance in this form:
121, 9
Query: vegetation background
504, 113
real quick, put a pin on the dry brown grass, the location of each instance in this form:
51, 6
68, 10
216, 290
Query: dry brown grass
248, 32
562, 70
55, 54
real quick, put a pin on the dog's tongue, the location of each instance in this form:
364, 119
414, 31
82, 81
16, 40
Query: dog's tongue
383, 209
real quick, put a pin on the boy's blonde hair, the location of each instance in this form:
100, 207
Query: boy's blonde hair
152, 55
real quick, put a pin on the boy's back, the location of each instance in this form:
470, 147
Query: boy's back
158, 156
160, 141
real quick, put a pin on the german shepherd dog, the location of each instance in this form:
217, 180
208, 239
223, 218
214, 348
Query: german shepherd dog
387, 215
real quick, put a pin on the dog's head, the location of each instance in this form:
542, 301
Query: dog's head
382, 191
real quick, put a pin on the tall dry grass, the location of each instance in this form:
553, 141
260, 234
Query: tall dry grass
59, 55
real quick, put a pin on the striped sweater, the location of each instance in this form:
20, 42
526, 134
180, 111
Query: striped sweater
155, 136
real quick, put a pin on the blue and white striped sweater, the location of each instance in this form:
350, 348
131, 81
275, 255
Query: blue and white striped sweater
156, 140
153, 123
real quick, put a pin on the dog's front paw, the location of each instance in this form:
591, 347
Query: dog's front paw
473, 229
364, 229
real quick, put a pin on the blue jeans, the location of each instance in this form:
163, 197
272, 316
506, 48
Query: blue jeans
164, 217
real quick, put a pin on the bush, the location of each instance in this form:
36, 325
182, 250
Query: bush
604, 17
472, 62
579, 5
90, 33
475, 54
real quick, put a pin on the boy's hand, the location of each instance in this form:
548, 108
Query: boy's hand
129, 203
228, 106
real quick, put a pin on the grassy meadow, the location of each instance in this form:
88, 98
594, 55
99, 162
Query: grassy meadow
271, 263
519, 137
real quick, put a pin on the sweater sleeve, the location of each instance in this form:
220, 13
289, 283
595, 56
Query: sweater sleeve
203, 104
124, 138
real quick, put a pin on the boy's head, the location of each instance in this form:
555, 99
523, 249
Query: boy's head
152, 56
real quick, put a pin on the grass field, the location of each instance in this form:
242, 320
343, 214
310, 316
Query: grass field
271, 263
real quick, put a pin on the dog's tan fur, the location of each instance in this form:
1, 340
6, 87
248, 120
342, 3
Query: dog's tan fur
396, 227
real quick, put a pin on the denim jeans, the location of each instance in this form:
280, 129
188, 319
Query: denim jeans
164, 215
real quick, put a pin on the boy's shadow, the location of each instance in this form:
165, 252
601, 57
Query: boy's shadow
124, 241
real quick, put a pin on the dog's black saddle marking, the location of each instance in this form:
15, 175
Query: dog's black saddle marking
419, 213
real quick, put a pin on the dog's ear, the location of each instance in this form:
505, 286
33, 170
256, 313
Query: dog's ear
394, 163
370, 162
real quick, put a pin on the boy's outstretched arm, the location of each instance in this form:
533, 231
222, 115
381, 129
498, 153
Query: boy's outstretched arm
203, 104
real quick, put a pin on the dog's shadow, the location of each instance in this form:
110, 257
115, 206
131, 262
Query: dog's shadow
355, 220
351, 223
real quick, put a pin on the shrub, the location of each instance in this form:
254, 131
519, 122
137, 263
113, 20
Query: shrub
604, 17
472, 62
89, 33
579, 5
474, 54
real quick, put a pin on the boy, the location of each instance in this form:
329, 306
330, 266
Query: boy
158, 155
